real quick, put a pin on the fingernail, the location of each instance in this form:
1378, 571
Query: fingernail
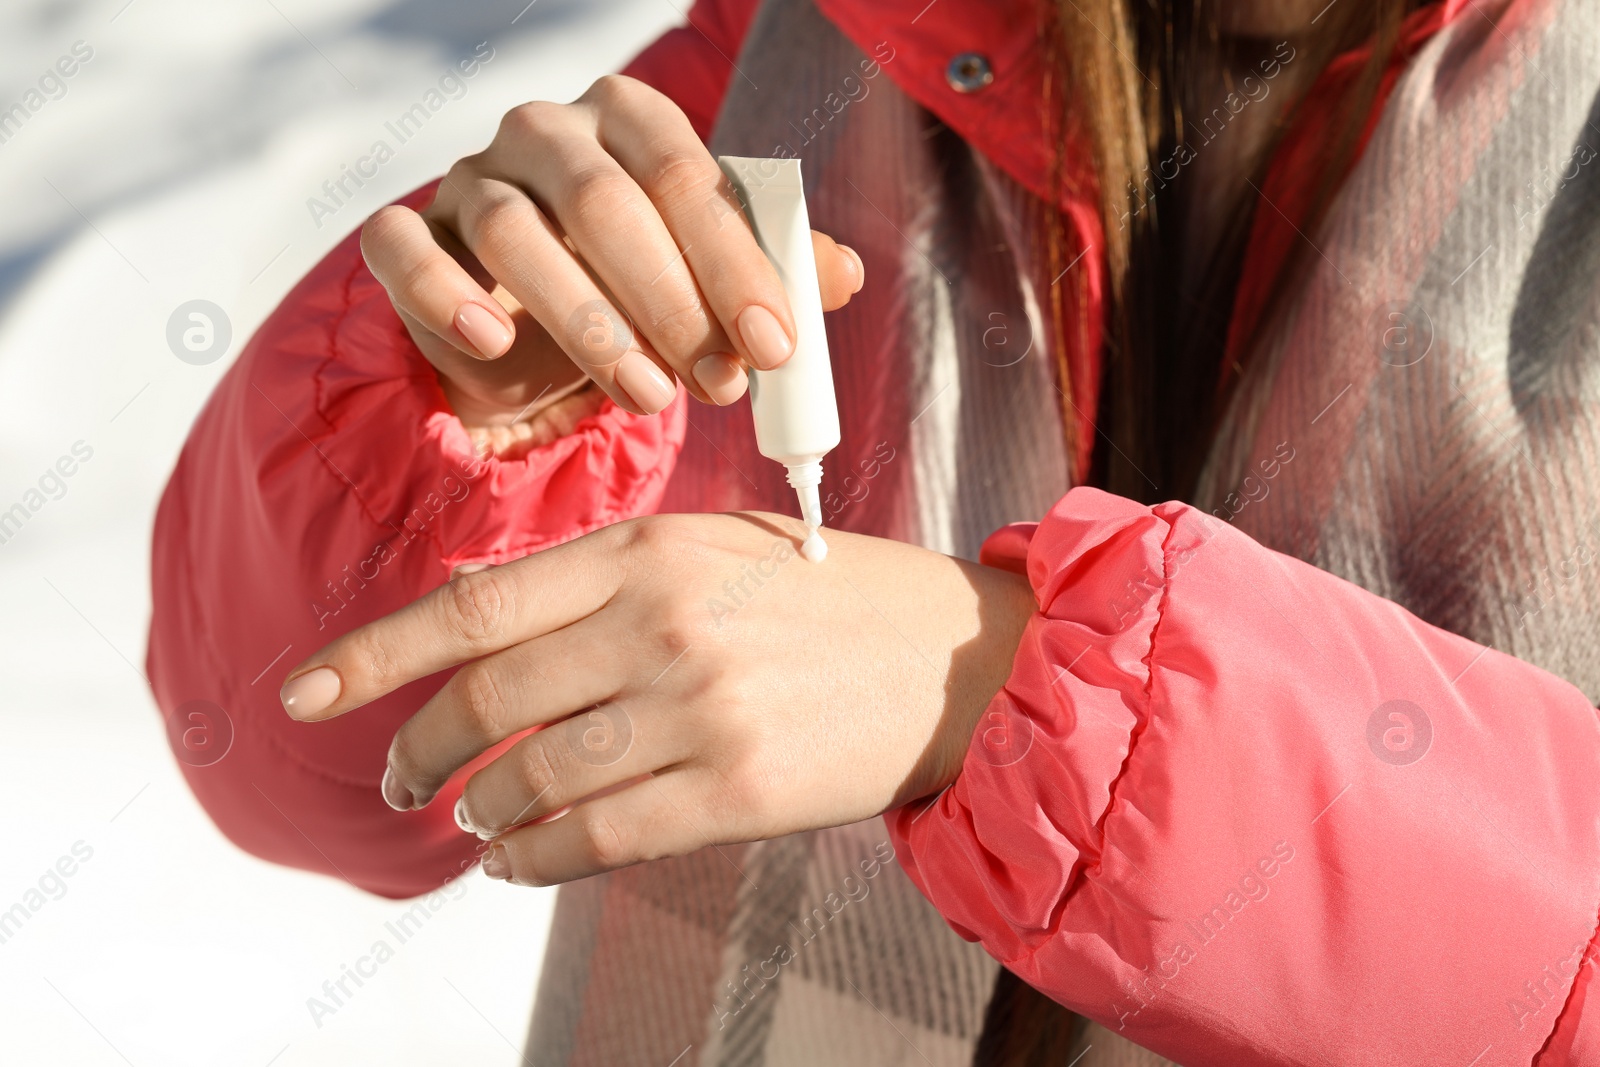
396, 795
310, 694
860, 267
721, 376
482, 330
496, 864
461, 815
764, 337
645, 382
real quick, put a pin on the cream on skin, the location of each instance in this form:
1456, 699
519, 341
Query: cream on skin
795, 411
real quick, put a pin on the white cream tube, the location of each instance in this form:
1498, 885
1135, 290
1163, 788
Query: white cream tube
796, 414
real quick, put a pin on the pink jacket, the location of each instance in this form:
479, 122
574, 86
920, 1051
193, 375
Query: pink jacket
1235, 807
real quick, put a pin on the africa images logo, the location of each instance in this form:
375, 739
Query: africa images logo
1399, 732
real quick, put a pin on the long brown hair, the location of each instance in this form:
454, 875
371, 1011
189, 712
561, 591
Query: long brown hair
1132, 70
1136, 71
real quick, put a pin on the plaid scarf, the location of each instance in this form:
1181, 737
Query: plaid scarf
1430, 382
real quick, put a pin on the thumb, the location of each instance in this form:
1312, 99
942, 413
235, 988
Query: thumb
840, 273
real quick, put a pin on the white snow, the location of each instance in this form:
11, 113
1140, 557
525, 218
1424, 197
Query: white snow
176, 166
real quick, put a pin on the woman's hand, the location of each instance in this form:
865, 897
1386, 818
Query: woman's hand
599, 233
718, 685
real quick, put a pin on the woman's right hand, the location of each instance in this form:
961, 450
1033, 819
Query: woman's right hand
599, 233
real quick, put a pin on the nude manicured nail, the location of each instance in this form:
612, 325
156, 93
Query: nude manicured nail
396, 795
461, 816
764, 337
496, 864
482, 330
721, 376
860, 267
645, 382
311, 693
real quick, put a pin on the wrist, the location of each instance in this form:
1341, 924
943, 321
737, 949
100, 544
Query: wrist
979, 668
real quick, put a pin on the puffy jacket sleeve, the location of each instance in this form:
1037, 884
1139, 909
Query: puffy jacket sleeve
325, 484
1245, 812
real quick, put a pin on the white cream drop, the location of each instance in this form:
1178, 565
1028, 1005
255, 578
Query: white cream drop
814, 548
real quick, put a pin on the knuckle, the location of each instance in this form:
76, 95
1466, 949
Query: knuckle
595, 196
604, 843
536, 769
485, 710
734, 690
678, 177
475, 604
745, 789
502, 212
741, 786
681, 325
450, 197
663, 545
416, 282
533, 119
681, 623
463, 170
500, 227
655, 535
642, 536
381, 227
616, 91
374, 662
727, 710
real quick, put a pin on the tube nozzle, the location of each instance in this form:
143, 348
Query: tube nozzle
805, 477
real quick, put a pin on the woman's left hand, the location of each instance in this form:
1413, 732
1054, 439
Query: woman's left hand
697, 682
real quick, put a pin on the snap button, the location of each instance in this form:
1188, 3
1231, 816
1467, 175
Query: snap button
969, 72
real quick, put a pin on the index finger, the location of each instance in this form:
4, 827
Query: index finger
471, 615
655, 144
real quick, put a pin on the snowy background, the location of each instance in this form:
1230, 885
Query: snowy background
175, 165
